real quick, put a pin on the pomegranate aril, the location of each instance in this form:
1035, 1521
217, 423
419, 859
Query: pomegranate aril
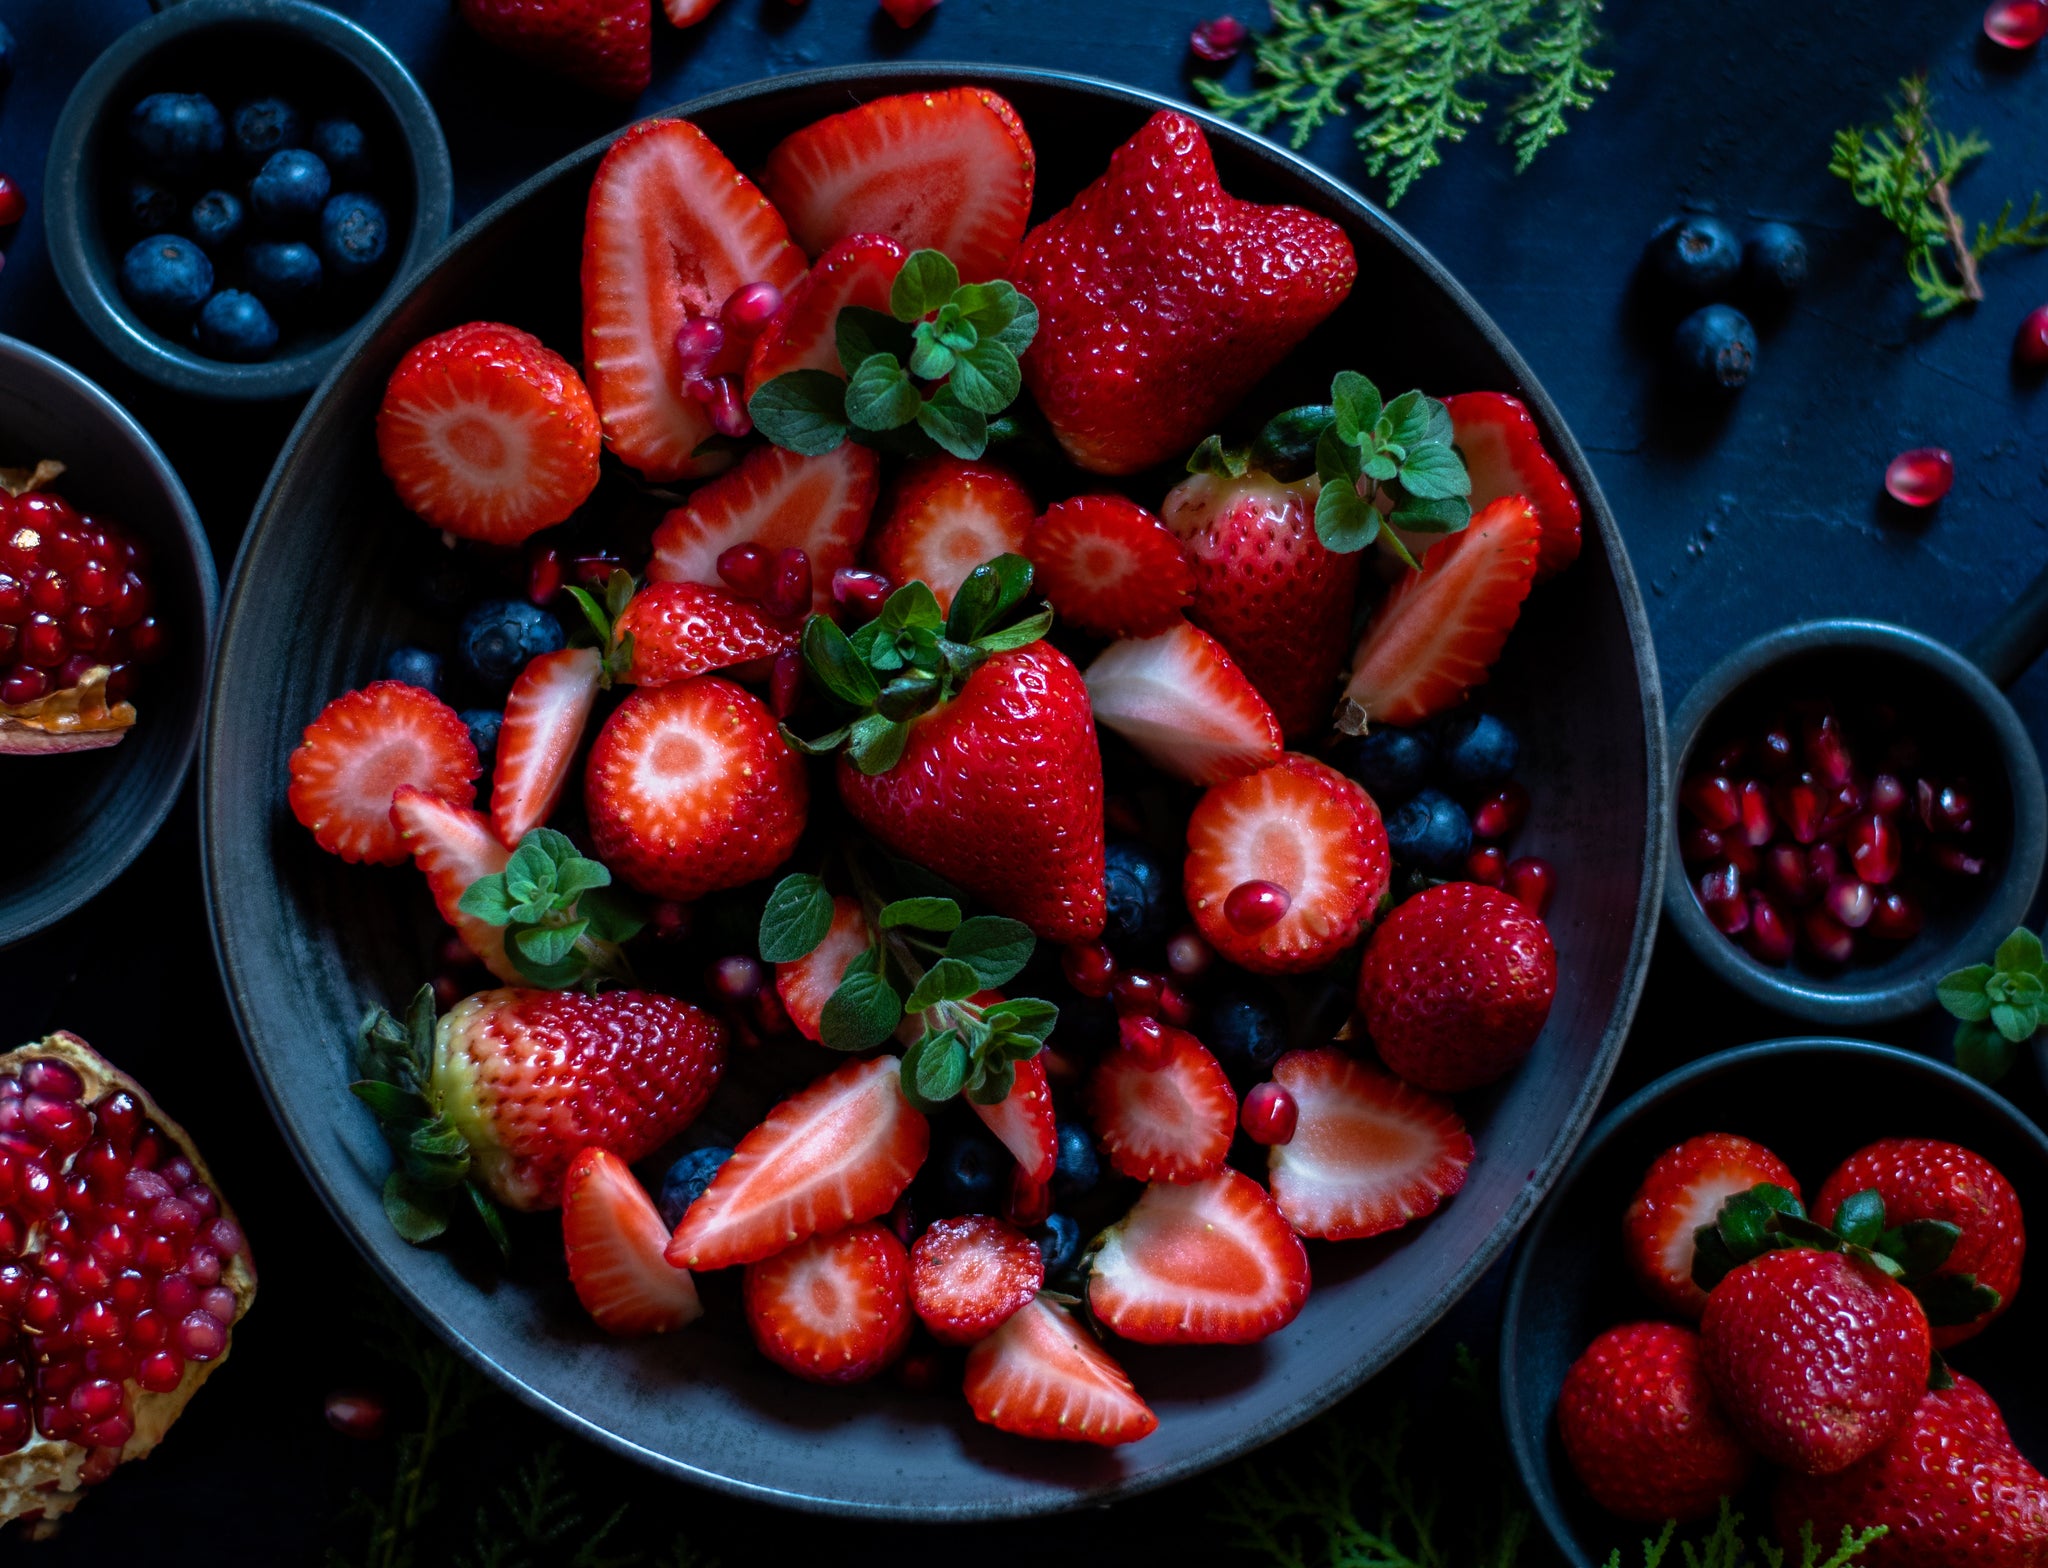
109, 1432
140, 1187
355, 1413
1952, 811
1175, 1007
1839, 806
13, 1234
177, 1170
1920, 477
749, 308
1218, 40
199, 1336
861, 591
728, 406
13, 600
148, 1329
160, 1371
1700, 844
94, 1397
2030, 347
1720, 894
1896, 917
1786, 871
785, 682
1850, 901
1713, 801
1136, 994
16, 1425
48, 1076
37, 1191
1269, 1114
1757, 824
1874, 848
789, 587
130, 601
219, 1302
62, 1125
1488, 866
1145, 1038
1886, 795
1500, 814
1826, 937
1090, 968
1256, 906
1798, 801
50, 593
1956, 860
130, 1292
202, 1266
2016, 24
25, 683
1769, 937
177, 1294
203, 1202
699, 341
736, 977
44, 1308
1531, 880
15, 1281
1187, 955
747, 570
54, 1421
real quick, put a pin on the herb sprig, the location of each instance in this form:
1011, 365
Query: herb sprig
563, 921
601, 620
2000, 1005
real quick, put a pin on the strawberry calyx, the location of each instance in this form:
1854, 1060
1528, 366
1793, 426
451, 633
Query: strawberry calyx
601, 619
563, 920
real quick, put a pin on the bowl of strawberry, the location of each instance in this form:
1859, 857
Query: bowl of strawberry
1816, 1320
944, 905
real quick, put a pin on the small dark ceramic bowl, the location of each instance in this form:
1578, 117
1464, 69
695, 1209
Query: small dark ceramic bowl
231, 49
1953, 704
93, 811
1813, 1102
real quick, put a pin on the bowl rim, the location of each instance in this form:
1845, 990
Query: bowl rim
96, 298
1530, 1450
120, 850
875, 79
1845, 1002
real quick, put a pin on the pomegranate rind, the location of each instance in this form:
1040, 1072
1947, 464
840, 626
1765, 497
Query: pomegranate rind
78, 718
47, 1478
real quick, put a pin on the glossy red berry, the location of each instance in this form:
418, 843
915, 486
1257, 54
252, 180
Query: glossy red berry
1920, 477
1489, 866
1269, 1114
861, 591
1713, 801
789, 585
1256, 906
1500, 814
748, 570
1896, 917
1145, 1038
1874, 848
1218, 39
1826, 938
1136, 994
2016, 24
1769, 936
2030, 348
1531, 881
699, 341
1090, 968
13, 202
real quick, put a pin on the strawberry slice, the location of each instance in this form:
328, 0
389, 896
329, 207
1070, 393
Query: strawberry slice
778, 500
454, 846
1043, 1375
1438, 631
1211, 1262
806, 985
1023, 1120
1505, 456
354, 756
1170, 1122
1110, 567
671, 230
833, 1309
948, 171
685, 629
1368, 1154
830, 1155
1303, 828
544, 717
946, 516
970, 1276
804, 334
1683, 1190
614, 1242
1181, 700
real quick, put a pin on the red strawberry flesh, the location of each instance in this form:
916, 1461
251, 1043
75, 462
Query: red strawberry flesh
1187, 708
833, 1308
1168, 1119
969, 1276
613, 1241
357, 753
454, 847
1505, 456
1043, 1375
1683, 1190
543, 725
680, 630
1110, 567
803, 334
946, 516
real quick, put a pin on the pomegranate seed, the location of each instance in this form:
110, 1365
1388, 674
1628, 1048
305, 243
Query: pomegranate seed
24, 683
1175, 1007
148, 1329
1489, 866
1798, 800
736, 977
1256, 906
1957, 861
785, 683
1500, 814
109, 1432
130, 1292
202, 1266
728, 405
16, 1427
115, 1361
1090, 968
1712, 799
1839, 807
219, 1302
1887, 796
1145, 1038
36, 1190
699, 341
1874, 848
354, 1413
199, 1336
2030, 348
160, 1372
89, 1276
543, 573
747, 570
95, 1397
202, 1200
2011, 24
1826, 938
1850, 901
15, 1280
749, 308
64, 1125
1269, 1114
114, 1244
1952, 810
13, 600
907, 13
44, 1308
1136, 994
1699, 844
226, 1236
161, 1251
13, 1234
120, 1118
1216, 41
1920, 477
52, 1078
1785, 870
1187, 955
1896, 918
789, 589
1531, 881
1827, 753
590, 571
54, 1421
1769, 938
1757, 822
860, 590
1720, 894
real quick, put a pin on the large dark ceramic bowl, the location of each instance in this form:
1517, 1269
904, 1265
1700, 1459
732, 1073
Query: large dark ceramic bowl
305, 941
1812, 1102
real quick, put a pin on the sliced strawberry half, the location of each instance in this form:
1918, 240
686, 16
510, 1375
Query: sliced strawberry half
1181, 700
949, 171
804, 334
1169, 1122
835, 1308
614, 1241
1505, 455
779, 500
945, 517
1683, 1190
454, 846
806, 985
685, 629
969, 1276
1210, 1262
544, 717
1110, 567
671, 230
1023, 1120
356, 754
1369, 1153
1043, 1375
831, 1155
1437, 632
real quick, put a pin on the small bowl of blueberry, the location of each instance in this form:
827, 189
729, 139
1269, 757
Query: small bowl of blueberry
234, 185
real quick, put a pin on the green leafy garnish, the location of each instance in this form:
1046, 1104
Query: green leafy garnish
2001, 1005
600, 624
563, 920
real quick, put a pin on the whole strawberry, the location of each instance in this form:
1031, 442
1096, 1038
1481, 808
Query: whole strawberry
1950, 1489
605, 45
1922, 1179
1818, 1357
1642, 1428
1456, 985
1162, 299
504, 1091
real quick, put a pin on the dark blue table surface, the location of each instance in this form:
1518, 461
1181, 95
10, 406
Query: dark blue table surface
1771, 514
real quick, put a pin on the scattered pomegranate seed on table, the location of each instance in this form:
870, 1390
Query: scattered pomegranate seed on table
1920, 477
1218, 40
354, 1413
2031, 346
2016, 24
13, 202
906, 13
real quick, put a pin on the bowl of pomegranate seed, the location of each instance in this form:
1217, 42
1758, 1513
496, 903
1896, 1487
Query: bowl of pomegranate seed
969, 822
1858, 810
107, 597
1788, 1280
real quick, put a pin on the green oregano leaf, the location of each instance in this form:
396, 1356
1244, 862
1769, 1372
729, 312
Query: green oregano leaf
920, 914
949, 980
861, 1014
1405, 421
926, 282
881, 395
995, 947
929, 358
876, 743
1982, 1052
1355, 405
1345, 521
1445, 516
546, 946
1962, 992
839, 669
802, 411
941, 1068
956, 428
795, 919
987, 377
1435, 472
2021, 953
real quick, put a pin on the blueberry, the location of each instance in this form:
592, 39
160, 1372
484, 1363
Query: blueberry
414, 666
6, 55
152, 208
290, 188
1059, 1244
1078, 1170
234, 325
343, 148
176, 133
499, 636
1391, 764
1694, 255
1430, 830
1476, 749
1140, 891
353, 235
262, 127
282, 273
685, 1182
1246, 1027
215, 219
484, 724
166, 277
1715, 348
974, 1174
1774, 259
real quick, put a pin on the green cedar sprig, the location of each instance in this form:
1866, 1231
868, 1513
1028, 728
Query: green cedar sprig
2001, 1005
563, 920
962, 340
600, 623
432, 1175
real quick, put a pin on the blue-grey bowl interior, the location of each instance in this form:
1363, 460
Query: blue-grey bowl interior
1813, 1102
320, 60
80, 818
1968, 728
305, 941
